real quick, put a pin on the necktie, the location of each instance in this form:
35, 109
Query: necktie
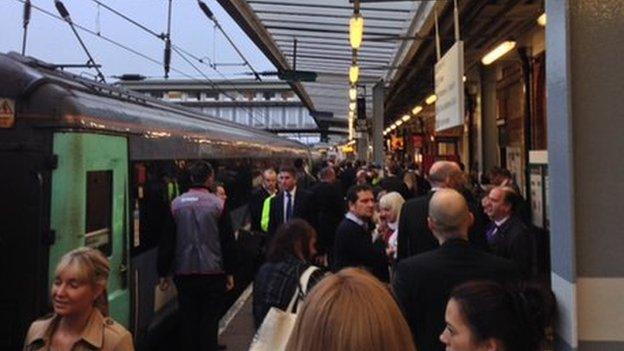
490, 233
288, 207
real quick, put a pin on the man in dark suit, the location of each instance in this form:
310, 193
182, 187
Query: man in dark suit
290, 202
330, 208
268, 188
392, 182
354, 246
422, 283
414, 234
507, 236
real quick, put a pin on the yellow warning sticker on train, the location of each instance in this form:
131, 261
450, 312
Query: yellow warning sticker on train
7, 113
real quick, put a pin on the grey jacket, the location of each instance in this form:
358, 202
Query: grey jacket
197, 244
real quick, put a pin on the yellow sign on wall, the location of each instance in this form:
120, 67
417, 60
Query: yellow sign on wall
7, 113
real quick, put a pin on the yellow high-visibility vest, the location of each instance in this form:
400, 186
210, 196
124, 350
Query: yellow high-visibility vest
266, 214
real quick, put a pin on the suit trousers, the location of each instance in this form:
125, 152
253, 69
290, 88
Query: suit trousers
200, 301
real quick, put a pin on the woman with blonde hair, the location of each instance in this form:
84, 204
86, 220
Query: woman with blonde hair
80, 305
389, 211
350, 310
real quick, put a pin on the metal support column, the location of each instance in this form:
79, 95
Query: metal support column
378, 120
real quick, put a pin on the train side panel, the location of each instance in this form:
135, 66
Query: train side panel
89, 202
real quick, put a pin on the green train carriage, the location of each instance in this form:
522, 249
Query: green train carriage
76, 160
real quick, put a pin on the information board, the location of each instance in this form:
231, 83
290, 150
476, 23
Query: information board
449, 88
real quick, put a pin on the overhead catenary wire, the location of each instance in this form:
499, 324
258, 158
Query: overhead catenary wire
142, 55
164, 36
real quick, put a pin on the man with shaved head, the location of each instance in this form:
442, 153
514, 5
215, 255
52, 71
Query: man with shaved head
422, 283
414, 234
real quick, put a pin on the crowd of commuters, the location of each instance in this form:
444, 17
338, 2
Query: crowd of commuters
402, 261
434, 244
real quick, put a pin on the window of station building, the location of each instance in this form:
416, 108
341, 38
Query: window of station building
249, 95
157, 94
261, 114
276, 116
174, 95
211, 96
288, 95
292, 116
193, 95
226, 113
99, 211
268, 95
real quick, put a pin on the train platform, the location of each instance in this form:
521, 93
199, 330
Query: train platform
236, 328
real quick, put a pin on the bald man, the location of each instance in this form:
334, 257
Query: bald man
414, 236
422, 283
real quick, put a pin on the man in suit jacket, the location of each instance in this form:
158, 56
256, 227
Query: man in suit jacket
290, 202
422, 283
330, 208
414, 234
268, 188
507, 236
354, 246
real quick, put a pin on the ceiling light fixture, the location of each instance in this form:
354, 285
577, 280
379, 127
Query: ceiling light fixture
406, 118
352, 93
356, 30
541, 20
354, 74
416, 110
431, 99
498, 52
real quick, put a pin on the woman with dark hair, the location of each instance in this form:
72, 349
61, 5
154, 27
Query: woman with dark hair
290, 253
485, 316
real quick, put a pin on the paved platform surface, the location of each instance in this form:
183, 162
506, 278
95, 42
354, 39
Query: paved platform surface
237, 327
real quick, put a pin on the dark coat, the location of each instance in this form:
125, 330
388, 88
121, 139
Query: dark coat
423, 283
394, 183
353, 247
330, 209
302, 208
514, 241
256, 201
415, 237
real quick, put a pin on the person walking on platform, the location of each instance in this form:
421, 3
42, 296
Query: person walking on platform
304, 179
330, 208
80, 320
290, 202
354, 245
507, 235
415, 237
200, 255
290, 253
256, 202
422, 283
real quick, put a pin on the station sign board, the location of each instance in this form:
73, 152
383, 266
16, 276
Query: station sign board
7, 113
449, 88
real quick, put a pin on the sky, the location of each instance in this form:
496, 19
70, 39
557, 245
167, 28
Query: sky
52, 40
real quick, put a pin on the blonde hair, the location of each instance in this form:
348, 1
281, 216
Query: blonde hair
350, 310
92, 267
392, 201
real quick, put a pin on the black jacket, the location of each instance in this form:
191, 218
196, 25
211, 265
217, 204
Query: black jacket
422, 284
330, 209
394, 183
302, 208
415, 237
514, 241
353, 247
275, 285
256, 201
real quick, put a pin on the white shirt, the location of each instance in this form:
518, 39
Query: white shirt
499, 224
292, 201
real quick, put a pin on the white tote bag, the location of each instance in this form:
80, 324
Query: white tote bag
275, 330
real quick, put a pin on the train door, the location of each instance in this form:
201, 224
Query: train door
23, 240
89, 206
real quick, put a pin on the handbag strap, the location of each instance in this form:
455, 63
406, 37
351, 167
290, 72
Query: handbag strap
303, 286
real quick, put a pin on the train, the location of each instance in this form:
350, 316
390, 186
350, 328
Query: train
85, 163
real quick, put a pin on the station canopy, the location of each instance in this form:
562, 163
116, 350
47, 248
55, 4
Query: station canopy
321, 30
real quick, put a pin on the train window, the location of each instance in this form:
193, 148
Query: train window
99, 211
